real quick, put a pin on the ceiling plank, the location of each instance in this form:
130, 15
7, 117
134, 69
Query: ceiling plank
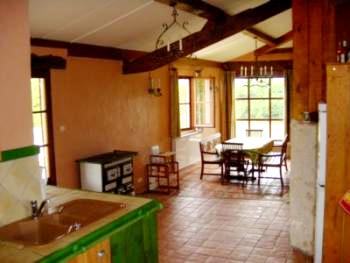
279, 41
261, 36
210, 34
197, 7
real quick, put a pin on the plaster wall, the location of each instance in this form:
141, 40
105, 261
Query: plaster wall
15, 102
97, 109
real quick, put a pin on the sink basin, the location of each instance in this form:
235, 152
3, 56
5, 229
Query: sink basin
89, 210
32, 232
45, 229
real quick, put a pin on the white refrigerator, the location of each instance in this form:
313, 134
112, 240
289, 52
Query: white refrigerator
321, 181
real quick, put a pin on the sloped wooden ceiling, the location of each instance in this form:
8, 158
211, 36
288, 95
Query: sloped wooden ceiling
218, 27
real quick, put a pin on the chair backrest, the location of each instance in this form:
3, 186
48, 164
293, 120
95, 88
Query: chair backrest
231, 146
208, 144
254, 133
284, 145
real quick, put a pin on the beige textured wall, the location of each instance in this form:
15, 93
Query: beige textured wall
19, 179
15, 103
97, 109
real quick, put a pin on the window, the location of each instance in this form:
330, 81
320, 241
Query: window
42, 127
185, 103
260, 107
196, 102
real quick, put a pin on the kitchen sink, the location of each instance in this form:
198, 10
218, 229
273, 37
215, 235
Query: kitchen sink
71, 217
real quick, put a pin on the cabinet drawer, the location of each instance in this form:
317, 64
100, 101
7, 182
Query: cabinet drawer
113, 173
126, 180
110, 186
127, 168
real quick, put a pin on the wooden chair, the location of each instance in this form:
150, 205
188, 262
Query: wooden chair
253, 133
210, 157
163, 169
274, 159
234, 161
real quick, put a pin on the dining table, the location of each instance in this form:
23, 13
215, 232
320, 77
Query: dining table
252, 147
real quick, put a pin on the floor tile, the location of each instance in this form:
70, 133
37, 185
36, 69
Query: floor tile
209, 222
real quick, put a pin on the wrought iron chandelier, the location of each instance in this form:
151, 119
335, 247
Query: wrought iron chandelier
257, 71
160, 40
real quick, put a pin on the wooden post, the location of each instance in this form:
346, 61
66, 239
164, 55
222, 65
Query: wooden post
313, 47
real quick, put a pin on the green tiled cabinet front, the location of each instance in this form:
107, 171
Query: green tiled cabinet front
136, 243
132, 237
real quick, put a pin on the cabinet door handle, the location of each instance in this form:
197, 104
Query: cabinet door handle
101, 253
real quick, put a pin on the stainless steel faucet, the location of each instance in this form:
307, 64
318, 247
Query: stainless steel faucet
37, 212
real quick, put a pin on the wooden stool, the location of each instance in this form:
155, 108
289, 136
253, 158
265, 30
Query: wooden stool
163, 167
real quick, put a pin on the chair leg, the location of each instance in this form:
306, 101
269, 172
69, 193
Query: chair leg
245, 179
202, 171
167, 174
281, 176
176, 165
222, 174
259, 173
285, 163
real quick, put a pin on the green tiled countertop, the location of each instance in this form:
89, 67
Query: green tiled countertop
77, 242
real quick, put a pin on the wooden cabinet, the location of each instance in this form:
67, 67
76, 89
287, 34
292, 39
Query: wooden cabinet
337, 223
99, 253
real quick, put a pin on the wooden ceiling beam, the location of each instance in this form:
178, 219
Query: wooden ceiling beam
197, 7
261, 36
279, 41
210, 34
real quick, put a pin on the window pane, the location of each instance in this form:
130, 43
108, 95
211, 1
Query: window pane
40, 128
241, 127
44, 161
277, 87
38, 94
185, 116
35, 86
259, 90
277, 129
184, 90
204, 106
261, 125
241, 88
259, 109
241, 108
277, 109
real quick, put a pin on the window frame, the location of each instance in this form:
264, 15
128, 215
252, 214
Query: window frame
45, 74
212, 110
190, 103
249, 99
193, 102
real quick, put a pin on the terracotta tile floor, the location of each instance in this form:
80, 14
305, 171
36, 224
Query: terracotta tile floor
209, 222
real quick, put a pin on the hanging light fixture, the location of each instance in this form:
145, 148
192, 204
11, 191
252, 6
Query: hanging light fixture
257, 70
174, 49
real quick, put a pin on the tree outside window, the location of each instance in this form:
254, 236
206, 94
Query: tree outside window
260, 107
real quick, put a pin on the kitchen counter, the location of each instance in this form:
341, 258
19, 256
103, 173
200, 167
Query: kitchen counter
71, 243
